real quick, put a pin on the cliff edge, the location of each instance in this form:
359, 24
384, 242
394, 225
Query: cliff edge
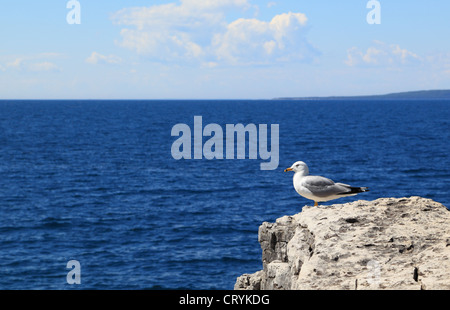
387, 243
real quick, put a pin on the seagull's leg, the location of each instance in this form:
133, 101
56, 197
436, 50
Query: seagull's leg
316, 203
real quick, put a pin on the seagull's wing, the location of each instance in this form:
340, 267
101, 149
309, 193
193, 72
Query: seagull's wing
323, 187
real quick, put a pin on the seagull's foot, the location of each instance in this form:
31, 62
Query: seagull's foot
316, 204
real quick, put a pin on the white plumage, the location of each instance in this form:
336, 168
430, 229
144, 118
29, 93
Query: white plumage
318, 188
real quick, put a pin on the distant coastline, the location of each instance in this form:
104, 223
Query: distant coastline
411, 95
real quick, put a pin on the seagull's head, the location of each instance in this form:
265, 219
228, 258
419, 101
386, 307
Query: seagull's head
298, 167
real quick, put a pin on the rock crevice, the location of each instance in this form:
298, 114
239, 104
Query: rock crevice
388, 243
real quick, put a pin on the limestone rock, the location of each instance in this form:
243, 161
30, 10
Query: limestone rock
388, 243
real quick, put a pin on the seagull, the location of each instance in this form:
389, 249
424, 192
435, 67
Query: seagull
318, 188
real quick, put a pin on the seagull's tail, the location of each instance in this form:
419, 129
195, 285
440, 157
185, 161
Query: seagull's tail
359, 189
355, 190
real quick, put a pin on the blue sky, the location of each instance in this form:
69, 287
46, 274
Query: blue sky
219, 49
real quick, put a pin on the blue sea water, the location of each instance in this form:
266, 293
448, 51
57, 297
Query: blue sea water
95, 181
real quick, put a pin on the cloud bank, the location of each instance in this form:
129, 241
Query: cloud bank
198, 31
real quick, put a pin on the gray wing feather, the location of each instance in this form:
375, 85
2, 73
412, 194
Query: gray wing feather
323, 187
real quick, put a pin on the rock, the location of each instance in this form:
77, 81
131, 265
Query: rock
388, 243
249, 281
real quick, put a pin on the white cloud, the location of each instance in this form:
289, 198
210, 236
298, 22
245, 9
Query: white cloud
188, 15
97, 58
404, 55
16, 63
32, 63
43, 66
256, 41
269, 46
198, 31
381, 54
168, 31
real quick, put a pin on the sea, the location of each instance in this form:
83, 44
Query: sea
96, 182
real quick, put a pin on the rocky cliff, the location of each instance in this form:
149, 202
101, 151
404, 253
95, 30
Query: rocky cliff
388, 243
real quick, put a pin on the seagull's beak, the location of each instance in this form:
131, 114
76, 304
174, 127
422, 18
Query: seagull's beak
288, 169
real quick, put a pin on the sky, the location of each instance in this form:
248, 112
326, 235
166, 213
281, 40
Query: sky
221, 49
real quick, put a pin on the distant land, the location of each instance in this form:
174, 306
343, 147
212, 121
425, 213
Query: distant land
411, 95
